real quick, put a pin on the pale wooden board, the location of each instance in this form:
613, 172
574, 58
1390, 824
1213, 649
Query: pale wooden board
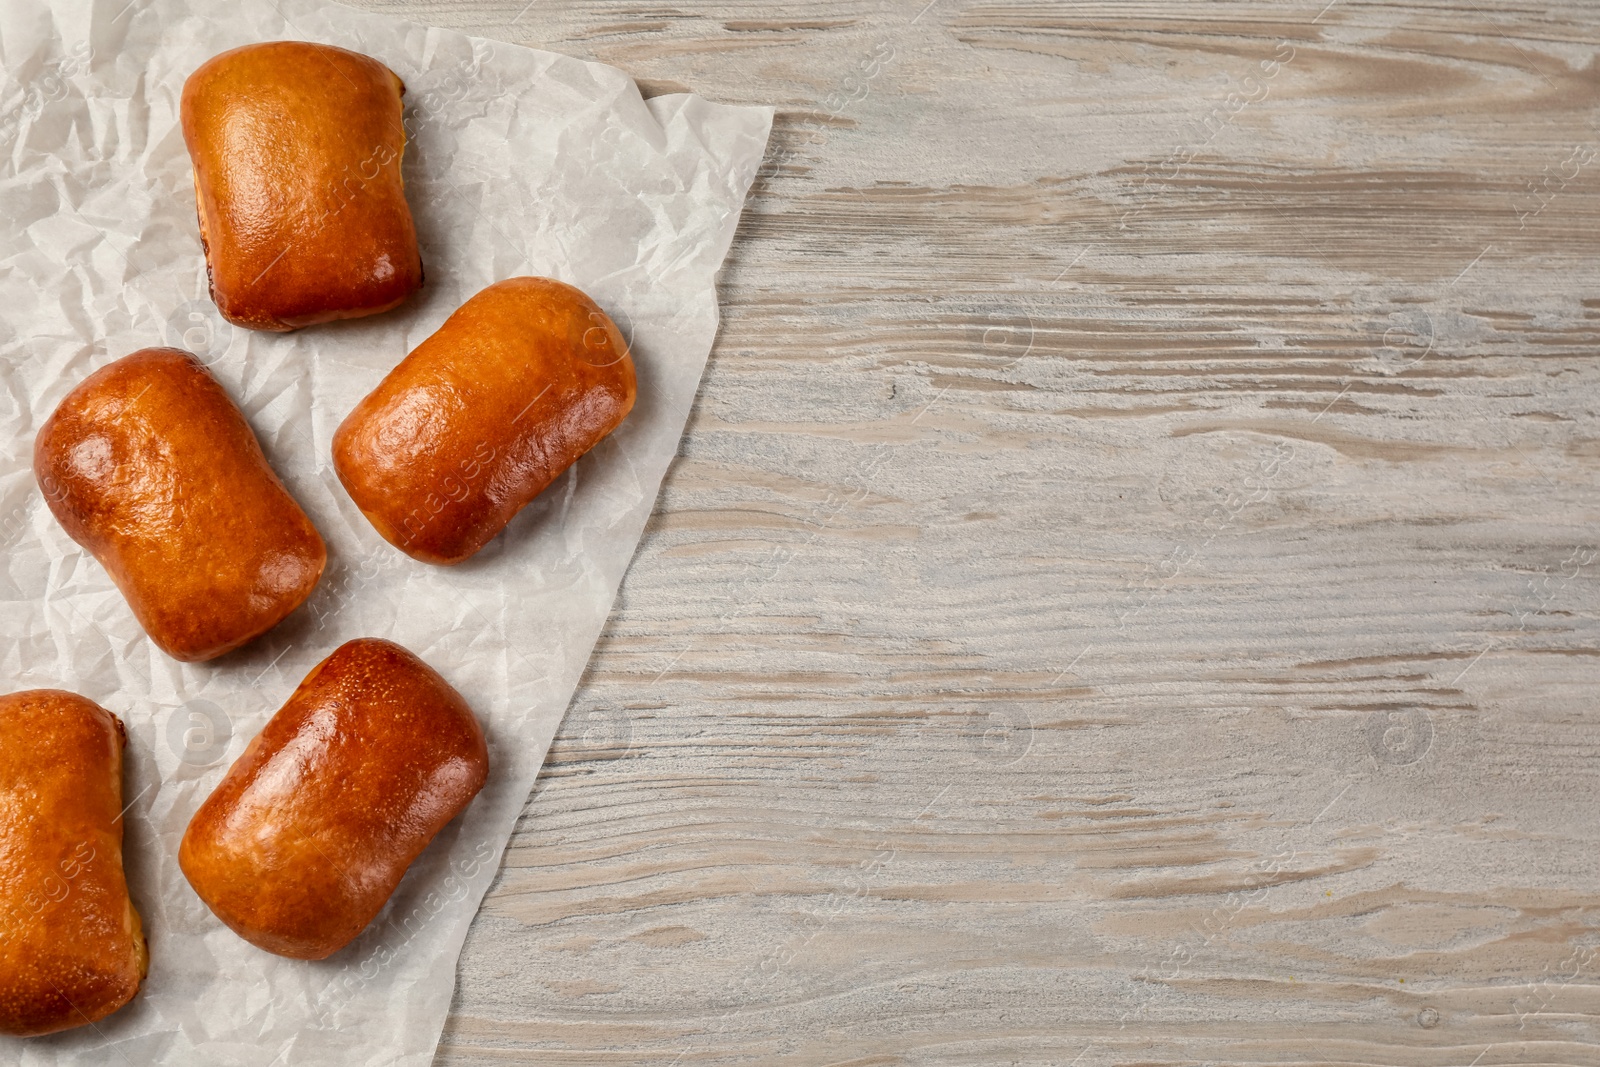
1129, 590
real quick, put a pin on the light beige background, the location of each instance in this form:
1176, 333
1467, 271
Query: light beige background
1128, 593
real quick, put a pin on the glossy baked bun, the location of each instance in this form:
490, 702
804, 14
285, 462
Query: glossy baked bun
72, 949
150, 466
313, 827
523, 379
303, 215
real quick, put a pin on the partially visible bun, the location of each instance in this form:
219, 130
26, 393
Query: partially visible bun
72, 948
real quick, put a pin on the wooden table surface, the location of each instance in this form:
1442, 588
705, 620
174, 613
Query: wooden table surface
1128, 593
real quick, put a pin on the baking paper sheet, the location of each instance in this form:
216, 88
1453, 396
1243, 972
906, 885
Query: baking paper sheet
521, 162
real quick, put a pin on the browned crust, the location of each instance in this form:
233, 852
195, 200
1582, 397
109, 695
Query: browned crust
308, 834
480, 418
150, 466
72, 946
297, 151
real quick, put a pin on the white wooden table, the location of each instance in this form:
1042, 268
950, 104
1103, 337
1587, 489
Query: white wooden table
1129, 590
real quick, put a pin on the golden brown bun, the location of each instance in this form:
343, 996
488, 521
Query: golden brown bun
522, 380
303, 213
72, 949
150, 466
312, 828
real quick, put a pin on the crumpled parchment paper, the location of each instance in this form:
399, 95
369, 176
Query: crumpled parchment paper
520, 162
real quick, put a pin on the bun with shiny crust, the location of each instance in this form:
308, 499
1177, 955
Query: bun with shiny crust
150, 466
522, 380
72, 948
312, 828
303, 215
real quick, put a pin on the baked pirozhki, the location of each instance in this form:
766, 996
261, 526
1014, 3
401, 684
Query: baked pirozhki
312, 828
150, 466
303, 215
72, 948
469, 428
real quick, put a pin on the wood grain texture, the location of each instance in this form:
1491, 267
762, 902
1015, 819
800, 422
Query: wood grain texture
1128, 593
